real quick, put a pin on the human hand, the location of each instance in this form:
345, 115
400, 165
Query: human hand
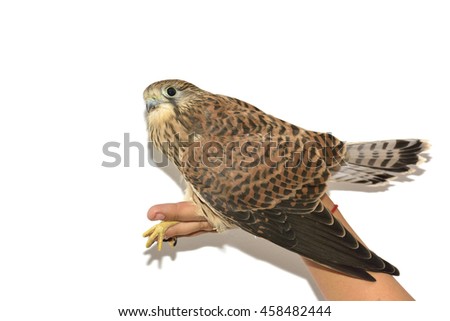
190, 223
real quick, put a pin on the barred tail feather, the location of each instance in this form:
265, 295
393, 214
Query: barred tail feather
376, 162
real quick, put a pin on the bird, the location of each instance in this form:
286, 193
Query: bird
247, 169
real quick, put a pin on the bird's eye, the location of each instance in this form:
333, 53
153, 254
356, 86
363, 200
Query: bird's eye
171, 91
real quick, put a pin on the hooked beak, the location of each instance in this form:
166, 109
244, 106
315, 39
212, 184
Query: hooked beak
150, 104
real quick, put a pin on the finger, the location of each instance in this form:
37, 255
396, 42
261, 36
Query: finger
182, 211
201, 232
195, 234
188, 228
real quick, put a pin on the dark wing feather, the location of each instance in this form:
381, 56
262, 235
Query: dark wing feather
318, 236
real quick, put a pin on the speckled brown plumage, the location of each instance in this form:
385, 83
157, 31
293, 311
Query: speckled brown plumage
249, 169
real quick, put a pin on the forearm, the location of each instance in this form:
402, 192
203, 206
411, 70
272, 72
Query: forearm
335, 286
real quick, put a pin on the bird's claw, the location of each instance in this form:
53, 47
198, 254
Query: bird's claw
172, 241
157, 233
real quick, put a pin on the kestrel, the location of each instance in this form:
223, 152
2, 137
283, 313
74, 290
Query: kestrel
244, 168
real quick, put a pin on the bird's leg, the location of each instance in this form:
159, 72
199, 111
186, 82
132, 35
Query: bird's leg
157, 233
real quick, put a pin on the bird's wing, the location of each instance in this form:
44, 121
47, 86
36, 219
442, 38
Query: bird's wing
277, 202
247, 172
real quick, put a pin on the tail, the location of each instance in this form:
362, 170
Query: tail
376, 162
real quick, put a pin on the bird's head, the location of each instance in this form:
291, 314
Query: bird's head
170, 102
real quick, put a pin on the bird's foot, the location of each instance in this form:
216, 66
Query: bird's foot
158, 232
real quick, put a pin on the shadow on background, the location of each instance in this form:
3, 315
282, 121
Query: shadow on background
256, 247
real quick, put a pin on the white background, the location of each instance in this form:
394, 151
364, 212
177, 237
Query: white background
71, 79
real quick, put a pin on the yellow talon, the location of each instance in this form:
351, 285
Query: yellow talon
158, 232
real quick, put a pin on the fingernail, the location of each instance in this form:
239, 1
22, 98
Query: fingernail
160, 216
